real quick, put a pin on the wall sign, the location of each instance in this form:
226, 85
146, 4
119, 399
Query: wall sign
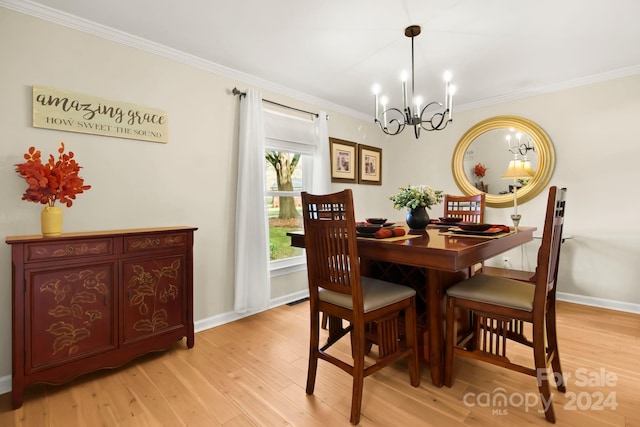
76, 112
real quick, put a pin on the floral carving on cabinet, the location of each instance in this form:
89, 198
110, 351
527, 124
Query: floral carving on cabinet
155, 242
151, 290
75, 296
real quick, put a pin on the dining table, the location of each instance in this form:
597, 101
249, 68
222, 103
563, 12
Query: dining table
430, 260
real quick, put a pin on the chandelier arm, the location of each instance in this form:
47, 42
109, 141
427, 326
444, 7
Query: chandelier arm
399, 129
523, 149
438, 123
441, 121
429, 105
526, 149
392, 123
386, 112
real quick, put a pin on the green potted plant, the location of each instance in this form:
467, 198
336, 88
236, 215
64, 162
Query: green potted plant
416, 198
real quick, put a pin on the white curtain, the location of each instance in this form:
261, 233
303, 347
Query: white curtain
260, 130
252, 280
321, 161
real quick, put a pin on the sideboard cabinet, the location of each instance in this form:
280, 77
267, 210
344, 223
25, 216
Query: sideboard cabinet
93, 300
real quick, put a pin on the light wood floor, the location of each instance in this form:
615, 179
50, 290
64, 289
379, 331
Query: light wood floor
252, 372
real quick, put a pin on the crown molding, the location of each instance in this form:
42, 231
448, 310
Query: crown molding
80, 24
556, 87
46, 13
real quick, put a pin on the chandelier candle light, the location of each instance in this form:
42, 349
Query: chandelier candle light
414, 114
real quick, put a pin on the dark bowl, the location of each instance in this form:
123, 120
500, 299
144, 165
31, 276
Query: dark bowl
376, 220
450, 220
368, 228
474, 227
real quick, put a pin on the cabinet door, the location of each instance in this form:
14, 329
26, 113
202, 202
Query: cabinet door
154, 296
70, 314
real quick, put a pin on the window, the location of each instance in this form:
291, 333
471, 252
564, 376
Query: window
284, 180
290, 148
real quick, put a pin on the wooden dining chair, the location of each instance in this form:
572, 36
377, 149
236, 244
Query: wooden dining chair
469, 208
500, 307
337, 289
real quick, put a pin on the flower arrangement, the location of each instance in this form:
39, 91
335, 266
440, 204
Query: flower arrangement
414, 196
55, 180
479, 170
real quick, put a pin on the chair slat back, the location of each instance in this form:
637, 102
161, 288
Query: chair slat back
330, 242
469, 208
549, 251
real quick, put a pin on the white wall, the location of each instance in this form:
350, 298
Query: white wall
594, 133
191, 180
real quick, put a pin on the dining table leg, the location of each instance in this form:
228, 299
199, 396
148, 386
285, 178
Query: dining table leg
438, 282
436, 333
431, 284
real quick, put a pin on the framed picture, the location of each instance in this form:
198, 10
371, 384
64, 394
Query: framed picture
344, 161
370, 161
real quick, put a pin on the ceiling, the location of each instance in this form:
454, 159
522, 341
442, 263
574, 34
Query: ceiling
335, 50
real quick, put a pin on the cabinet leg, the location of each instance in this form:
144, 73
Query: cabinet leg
190, 340
17, 396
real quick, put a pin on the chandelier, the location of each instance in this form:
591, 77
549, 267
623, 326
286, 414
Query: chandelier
518, 146
393, 120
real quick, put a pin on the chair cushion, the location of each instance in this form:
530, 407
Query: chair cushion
376, 293
495, 290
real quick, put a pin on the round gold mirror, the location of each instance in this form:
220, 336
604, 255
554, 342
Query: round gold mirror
492, 144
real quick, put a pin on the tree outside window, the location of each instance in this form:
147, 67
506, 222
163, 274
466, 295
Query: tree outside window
284, 184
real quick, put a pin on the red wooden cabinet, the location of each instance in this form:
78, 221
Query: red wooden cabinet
87, 301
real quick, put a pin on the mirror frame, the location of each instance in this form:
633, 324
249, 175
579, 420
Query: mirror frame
544, 150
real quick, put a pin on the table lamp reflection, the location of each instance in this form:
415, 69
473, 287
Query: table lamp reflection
517, 169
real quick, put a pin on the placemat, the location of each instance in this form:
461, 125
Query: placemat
393, 239
488, 236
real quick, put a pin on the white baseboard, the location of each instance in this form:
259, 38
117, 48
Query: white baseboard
221, 319
599, 302
5, 384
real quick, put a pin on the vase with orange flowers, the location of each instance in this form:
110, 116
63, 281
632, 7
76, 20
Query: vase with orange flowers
55, 180
479, 170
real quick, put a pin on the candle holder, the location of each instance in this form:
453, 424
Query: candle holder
516, 220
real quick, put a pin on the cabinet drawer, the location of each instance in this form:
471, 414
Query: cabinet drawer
154, 241
68, 249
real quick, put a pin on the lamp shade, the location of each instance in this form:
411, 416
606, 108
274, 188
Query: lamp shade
527, 167
518, 170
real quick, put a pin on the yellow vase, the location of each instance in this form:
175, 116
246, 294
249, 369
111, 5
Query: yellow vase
51, 221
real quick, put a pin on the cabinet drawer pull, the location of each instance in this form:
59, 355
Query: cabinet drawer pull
69, 249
